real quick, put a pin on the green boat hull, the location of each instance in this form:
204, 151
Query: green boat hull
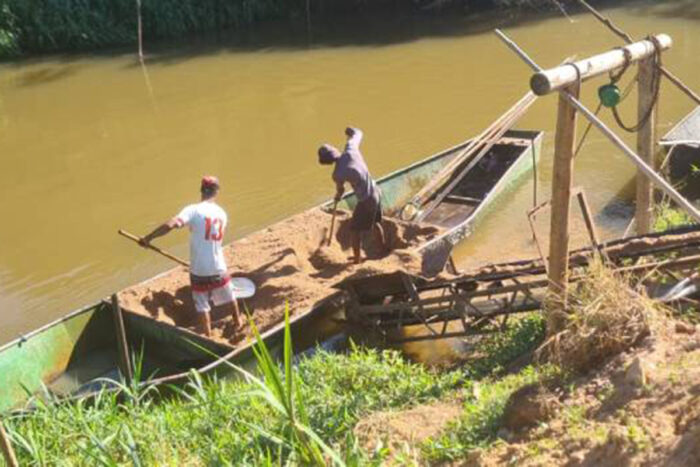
67, 356
398, 188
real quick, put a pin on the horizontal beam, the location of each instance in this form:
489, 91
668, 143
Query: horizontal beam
650, 173
546, 81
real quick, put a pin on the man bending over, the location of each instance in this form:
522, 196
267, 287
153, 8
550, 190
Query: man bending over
350, 167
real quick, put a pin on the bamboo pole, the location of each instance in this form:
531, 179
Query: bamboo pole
648, 171
628, 39
470, 149
562, 185
7, 450
617, 141
505, 126
122, 345
646, 138
547, 81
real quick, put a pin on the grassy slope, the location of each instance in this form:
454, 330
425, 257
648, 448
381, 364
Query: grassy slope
215, 421
601, 415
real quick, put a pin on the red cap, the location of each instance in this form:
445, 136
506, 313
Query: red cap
209, 182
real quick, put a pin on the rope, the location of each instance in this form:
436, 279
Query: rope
615, 77
656, 86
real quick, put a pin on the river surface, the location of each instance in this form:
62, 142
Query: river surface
91, 144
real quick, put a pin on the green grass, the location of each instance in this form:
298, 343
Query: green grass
667, 217
215, 422
483, 410
303, 414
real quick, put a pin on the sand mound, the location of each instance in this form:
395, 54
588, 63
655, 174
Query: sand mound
409, 427
289, 262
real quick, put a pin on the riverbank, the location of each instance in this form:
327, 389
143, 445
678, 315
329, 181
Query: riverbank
30, 28
617, 386
213, 422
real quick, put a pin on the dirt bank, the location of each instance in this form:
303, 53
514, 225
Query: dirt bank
288, 263
641, 408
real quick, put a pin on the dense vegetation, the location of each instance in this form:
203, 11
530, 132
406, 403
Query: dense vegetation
34, 26
284, 416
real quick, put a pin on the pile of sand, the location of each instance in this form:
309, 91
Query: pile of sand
288, 262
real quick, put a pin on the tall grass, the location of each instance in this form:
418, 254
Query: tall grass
281, 414
301, 414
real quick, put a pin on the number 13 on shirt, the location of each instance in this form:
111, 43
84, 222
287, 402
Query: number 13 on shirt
213, 229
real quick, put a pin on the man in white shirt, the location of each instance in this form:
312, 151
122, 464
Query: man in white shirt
208, 273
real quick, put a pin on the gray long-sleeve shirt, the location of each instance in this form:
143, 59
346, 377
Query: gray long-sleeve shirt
351, 168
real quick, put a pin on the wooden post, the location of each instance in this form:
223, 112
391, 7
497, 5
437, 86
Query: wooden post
122, 346
588, 219
617, 141
646, 143
7, 451
562, 182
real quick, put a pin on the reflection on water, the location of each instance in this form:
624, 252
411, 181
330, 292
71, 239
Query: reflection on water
87, 149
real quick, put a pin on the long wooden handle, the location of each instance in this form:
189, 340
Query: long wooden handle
6, 447
471, 148
443, 192
330, 234
133, 237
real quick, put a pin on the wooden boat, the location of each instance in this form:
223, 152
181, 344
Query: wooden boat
499, 172
74, 355
683, 152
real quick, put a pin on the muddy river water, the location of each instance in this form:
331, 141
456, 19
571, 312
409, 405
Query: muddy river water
91, 144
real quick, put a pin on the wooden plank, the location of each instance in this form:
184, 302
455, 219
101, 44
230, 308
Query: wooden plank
588, 219
562, 184
122, 346
488, 137
646, 139
546, 81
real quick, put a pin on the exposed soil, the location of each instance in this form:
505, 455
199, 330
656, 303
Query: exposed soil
289, 263
407, 427
640, 408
